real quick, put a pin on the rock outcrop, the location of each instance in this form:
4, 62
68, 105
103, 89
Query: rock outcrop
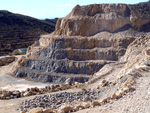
92, 19
6, 60
19, 31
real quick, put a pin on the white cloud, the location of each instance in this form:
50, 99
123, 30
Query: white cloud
68, 5
59, 5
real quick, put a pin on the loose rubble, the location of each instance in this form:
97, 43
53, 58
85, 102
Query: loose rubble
73, 101
33, 91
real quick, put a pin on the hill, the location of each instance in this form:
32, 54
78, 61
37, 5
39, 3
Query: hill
20, 31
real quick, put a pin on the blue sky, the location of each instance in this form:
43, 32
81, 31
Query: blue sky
51, 8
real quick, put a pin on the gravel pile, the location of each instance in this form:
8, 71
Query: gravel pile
56, 100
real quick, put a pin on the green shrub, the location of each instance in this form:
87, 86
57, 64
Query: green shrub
83, 89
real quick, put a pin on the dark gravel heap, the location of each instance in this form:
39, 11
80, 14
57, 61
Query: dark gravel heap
56, 100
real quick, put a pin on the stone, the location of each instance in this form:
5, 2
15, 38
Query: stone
95, 103
86, 104
64, 86
104, 83
104, 100
119, 93
76, 83
26, 94
126, 89
47, 87
52, 86
6, 60
78, 107
68, 81
16, 93
66, 108
22, 112
36, 110
114, 96
47, 111
97, 87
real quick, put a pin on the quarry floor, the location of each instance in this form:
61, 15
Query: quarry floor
137, 101
8, 82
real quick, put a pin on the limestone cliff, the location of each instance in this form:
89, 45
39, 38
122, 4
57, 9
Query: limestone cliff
91, 19
59, 56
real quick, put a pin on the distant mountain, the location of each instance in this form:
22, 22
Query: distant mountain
20, 31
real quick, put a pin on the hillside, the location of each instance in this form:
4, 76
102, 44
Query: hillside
20, 31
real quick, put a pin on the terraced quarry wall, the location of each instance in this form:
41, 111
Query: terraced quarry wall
57, 58
80, 46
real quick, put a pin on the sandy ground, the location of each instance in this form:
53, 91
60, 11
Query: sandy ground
10, 106
8, 82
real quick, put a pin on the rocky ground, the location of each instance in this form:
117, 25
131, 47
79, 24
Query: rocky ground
137, 101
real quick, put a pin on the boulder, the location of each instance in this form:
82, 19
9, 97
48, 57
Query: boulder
95, 103
66, 108
48, 111
26, 94
22, 112
6, 60
86, 104
68, 81
78, 107
36, 110
64, 86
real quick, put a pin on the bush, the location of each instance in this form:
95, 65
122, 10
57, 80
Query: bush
83, 89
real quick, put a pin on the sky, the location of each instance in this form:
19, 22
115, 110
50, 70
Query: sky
42, 9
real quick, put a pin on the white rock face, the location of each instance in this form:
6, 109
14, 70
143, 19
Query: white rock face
91, 19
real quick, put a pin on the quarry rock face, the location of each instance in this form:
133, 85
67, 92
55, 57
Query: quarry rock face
92, 19
56, 58
83, 42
